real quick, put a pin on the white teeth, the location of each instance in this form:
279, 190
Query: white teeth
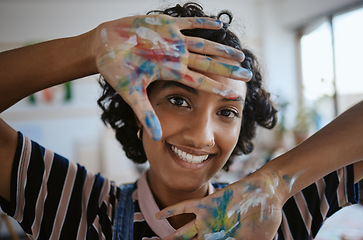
188, 157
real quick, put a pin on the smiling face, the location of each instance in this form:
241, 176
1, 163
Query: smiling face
200, 131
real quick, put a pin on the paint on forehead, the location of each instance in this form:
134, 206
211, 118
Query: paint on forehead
227, 93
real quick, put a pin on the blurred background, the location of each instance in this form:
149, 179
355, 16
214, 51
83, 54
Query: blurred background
311, 56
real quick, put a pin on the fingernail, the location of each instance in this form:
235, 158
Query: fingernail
153, 124
241, 72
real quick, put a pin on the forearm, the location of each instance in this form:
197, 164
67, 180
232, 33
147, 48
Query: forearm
30, 69
335, 146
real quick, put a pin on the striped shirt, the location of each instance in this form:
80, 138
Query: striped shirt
53, 198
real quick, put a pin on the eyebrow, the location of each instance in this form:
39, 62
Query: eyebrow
174, 84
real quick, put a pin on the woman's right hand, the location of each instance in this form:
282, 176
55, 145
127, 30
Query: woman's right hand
132, 52
248, 209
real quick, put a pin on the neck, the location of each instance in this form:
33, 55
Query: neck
165, 196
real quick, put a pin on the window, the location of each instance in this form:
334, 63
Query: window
348, 35
331, 65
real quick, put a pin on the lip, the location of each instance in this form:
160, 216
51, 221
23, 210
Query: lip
189, 165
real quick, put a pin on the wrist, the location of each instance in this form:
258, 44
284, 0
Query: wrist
86, 52
281, 183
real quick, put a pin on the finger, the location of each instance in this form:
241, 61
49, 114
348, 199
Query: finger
190, 206
203, 46
211, 65
188, 231
199, 81
198, 22
146, 114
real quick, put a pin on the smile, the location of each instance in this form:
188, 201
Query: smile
188, 157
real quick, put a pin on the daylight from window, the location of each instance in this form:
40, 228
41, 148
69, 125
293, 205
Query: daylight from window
318, 65
348, 36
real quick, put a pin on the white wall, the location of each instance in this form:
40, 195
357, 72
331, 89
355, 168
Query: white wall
294, 13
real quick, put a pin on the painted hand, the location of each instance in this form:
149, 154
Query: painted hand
248, 209
133, 52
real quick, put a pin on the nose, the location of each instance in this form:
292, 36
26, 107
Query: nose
200, 131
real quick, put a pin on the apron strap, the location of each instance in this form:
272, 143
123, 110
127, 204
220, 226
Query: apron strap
123, 226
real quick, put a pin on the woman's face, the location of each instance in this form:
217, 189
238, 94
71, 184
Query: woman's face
200, 131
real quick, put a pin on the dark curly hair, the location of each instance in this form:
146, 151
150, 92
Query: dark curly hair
258, 107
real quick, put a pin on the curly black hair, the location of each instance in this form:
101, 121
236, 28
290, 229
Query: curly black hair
258, 107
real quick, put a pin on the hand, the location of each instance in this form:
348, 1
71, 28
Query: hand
133, 52
248, 209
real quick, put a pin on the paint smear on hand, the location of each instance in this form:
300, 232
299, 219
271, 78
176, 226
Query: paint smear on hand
221, 235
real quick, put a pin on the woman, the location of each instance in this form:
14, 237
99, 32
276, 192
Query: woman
205, 118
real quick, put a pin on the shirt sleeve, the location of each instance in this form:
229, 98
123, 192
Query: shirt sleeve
53, 198
305, 212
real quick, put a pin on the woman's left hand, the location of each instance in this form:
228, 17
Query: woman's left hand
248, 209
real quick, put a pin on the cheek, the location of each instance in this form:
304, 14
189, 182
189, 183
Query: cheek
228, 138
170, 121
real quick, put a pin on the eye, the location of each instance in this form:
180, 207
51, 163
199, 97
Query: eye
178, 101
228, 113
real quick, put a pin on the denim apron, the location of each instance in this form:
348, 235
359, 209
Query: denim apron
123, 226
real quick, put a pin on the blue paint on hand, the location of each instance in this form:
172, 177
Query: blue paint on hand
153, 124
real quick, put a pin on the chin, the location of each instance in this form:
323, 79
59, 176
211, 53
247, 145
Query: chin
186, 185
